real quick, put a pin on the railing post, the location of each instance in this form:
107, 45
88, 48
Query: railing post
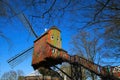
76, 72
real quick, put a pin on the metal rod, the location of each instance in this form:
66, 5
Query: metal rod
18, 55
63, 72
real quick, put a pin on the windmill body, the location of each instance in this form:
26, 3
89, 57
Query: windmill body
44, 55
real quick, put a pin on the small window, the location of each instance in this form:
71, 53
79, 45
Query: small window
53, 50
57, 38
52, 37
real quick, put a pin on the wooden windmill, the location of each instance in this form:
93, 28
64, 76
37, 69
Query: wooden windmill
42, 51
48, 52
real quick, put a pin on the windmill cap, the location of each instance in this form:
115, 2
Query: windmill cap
54, 27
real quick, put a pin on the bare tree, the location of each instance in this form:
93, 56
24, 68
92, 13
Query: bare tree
45, 10
104, 13
88, 46
11, 75
106, 18
35, 14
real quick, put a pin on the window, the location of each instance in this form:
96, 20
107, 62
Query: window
53, 50
57, 39
52, 37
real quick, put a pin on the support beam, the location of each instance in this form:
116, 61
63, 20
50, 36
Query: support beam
64, 72
76, 72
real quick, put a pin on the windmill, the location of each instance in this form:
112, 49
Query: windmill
48, 52
17, 59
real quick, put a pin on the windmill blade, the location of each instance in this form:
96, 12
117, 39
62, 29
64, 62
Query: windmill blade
19, 58
27, 24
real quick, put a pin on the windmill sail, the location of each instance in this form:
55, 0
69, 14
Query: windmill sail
17, 59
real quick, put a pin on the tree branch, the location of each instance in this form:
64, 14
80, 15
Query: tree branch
114, 8
49, 8
104, 5
6, 3
66, 5
90, 23
30, 26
